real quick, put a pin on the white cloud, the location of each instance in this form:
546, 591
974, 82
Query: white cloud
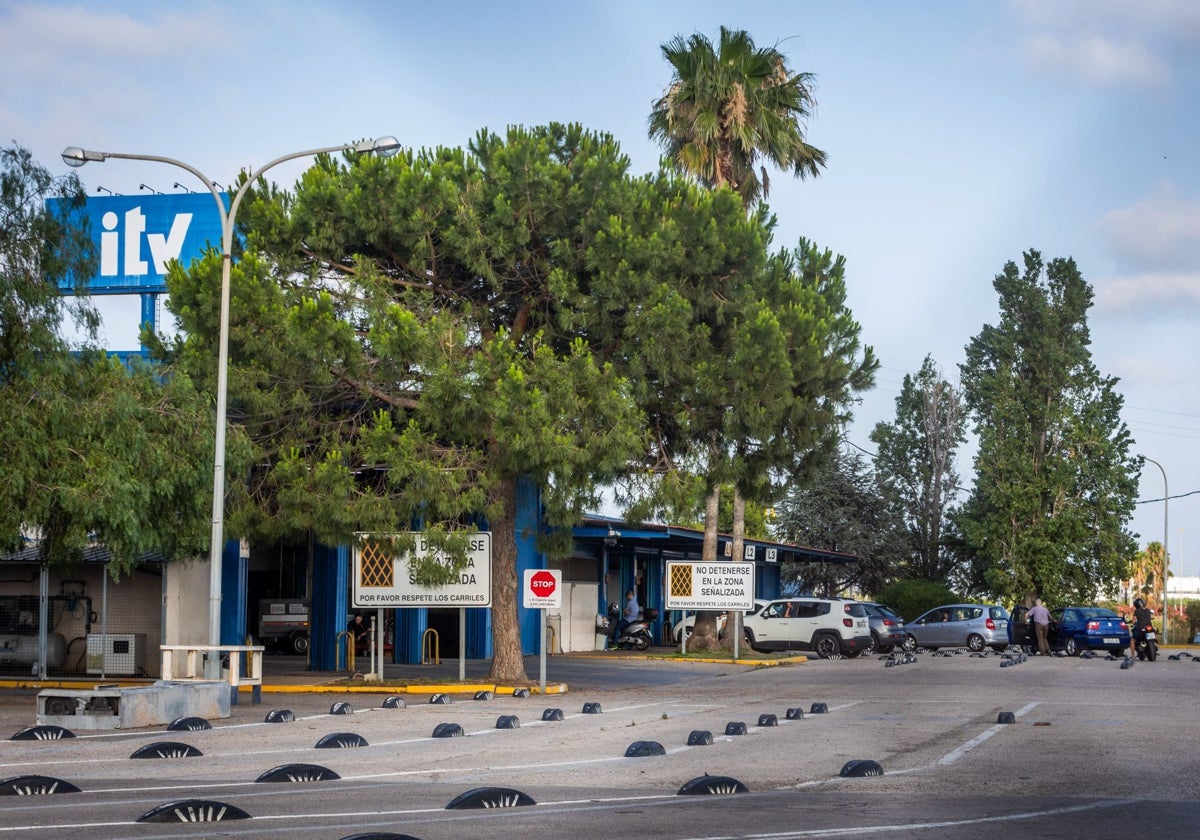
1169, 294
1163, 228
1109, 42
1096, 60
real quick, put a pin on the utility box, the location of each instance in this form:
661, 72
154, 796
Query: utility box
116, 654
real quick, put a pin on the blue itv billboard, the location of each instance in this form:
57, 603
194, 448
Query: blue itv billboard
136, 237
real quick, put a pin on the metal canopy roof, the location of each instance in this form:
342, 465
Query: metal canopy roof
674, 539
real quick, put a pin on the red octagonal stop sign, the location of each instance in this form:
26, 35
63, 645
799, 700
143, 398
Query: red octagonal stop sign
542, 584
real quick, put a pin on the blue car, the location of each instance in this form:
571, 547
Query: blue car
1074, 630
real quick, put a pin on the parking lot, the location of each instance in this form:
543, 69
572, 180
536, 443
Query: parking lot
1093, 751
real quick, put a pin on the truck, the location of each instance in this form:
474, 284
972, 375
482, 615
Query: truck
283, 624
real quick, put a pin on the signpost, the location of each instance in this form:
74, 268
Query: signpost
711, 586
382, 579
542, 590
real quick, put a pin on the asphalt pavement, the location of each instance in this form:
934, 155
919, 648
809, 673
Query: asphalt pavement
1092, 750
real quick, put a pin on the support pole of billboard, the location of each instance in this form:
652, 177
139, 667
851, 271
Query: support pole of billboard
737, 630
377, 651
462, 644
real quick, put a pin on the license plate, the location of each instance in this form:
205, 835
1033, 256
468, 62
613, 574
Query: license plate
1112, 641
1151, 636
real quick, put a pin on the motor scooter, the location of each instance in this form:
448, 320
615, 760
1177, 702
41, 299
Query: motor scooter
635, 635
1146, 643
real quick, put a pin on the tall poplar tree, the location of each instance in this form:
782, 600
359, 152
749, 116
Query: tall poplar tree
915, 466
1055, 481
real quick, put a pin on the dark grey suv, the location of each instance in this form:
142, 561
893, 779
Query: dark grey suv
887, 630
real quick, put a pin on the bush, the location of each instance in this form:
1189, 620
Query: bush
1192, 610
910, 598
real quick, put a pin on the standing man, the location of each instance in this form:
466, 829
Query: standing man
1040, 616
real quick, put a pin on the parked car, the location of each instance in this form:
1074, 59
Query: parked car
974, 626
830, 627
1073, 630
887, 629
689, 621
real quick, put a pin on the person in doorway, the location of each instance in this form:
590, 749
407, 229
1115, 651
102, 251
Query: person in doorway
360, 631
629, 614
1040, 616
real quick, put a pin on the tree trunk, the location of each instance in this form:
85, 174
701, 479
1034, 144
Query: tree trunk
508, 663
704, 633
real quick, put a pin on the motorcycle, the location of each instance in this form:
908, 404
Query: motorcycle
635, 635
1146, 643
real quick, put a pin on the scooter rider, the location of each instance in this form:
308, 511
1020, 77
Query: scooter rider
1142, 619
629, 614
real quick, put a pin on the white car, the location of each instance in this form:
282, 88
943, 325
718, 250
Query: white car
689, 622
830, 627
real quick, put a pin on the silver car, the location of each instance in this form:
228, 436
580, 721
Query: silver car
974, 626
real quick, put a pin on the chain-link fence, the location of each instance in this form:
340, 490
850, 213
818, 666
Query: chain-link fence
95, 627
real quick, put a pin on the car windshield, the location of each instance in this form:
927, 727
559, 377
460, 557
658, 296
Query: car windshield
1096, 612
997, 612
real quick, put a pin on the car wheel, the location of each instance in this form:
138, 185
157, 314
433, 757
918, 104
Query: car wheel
1071, 647
827, 647
873, 646
909, 644
975, 642
999, 648
300, 643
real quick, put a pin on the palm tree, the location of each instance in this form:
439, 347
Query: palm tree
727, 111
731, 108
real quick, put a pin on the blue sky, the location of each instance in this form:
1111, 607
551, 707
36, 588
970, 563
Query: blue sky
959, 135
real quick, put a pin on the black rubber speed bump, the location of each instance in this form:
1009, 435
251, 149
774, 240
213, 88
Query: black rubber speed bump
193, 811
298, 773
167, 749
644, 749
520, 692
484, 695
861, 767
42, 733
508, 722
341, 708
1006, 717
448, 730
392, 702
700, 738
768, 720
818, 709
441, 700
552, 714
379, 835
188, 724
712, 786
341, 741
592, 709
795, 714
280, 716
35, 786
490, 797
735, 727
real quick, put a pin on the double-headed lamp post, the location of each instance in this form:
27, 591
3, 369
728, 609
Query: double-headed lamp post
1166, 562
75, 156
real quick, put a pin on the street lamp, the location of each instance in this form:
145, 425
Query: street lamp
75, 156
1166, 562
